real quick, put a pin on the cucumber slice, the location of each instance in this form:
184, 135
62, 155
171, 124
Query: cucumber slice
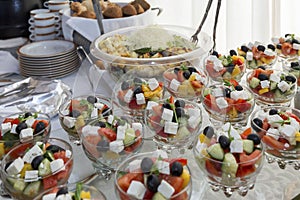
206, 91
44, 168
129, 137
216, 151
229, 166
32, 189
252, 64
273, 85
248, 146
227, 75
182, 132
158, 196
49, 155
254, 82
20, 185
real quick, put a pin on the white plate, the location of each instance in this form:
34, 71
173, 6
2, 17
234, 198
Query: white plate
51, 68
46, 48
38, 59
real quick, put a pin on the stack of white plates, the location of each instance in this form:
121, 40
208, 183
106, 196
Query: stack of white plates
51, 58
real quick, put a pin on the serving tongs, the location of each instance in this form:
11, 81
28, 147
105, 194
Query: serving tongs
194, 37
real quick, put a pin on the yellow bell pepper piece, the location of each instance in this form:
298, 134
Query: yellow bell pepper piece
27, 167
186, 177
145, 88
202, 137
297, 136
233, 113
85, 195
2, 150
236, 71
262, 91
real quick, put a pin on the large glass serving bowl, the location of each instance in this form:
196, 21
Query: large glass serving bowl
272, 87
226, 167
152, 173
155, 49
52, 150
279, 128
107, 142
76, 112
15, 123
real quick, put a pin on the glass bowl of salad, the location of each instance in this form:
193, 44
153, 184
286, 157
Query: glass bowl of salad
228, 102
174, 123
21, 127
279, 128
230, 160
109, 141
221, 67
153, 175
33, 167
272, 87
72, 191
150, 50
293, 67
287, 46
76, 112
185, 82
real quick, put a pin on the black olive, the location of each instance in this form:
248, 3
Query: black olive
215, 53
179, 103
7, 165
179, 112
224, 141
75, 113
244, 48
91, 99
278, 46
137, 81
176, 168
295, 65
54, 148
273, 111
287, 35
262, 67
167, 105
208, 131
28, 114
238, 88
294, 41
138, 90
192, 69
100, 124
20, 127
186, 74
227, 92
103, 146
271, 46
62, 191
230, 68
232, 52
146, 165
125, 85
256, 124
290, 79
176, 70
261, 48
262, 77
40, 126
254, 137
36, 162
153, 182
106, 112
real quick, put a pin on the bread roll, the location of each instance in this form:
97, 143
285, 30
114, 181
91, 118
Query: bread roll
129, 10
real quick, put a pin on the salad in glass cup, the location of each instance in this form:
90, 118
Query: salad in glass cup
229, 160
153, 175
288, 46
75, 113
185, 82
279, 129
272, 87
174, 122
109, 141
21, 127
293, 67
32, 167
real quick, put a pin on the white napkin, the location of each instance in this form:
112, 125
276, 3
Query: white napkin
8, 63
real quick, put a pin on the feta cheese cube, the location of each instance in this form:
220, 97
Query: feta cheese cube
296, 46
218, 92
200, 146
137, 126
94, 113
163, 167
121, 132
90, 130
57, 165
256, 43
166, 189
116, 146
26, 134
30, 121
295, 123
275, 120
233, 132
15, 167
64, 197
269, 52
235, 94
212, 58
68, 153
283, 86
128, 96
135, 166
250, 45
273, 132
289, 131
136, 189
51, 196
236, 146
275, 40
174, 84
275, 78
69, 121
150, 104
194, 121
218, 66
153, 83
99, 105
140, 99
221, 102
194, 112
171, 128
249, 56
5, 127
265, 84
167, 114
160, 153
263, 115
31, 175
32, 153
13, 129
110, 119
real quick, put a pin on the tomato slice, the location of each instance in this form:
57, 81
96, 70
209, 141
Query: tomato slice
273, 143
170, 76
294, 116
245, 170
12, 120
110, 134
125, 180
49, 182
214, 168
157, 110
242, 105
180, 76
210, 102
175, 181
183, 161
248, 160
246, 132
